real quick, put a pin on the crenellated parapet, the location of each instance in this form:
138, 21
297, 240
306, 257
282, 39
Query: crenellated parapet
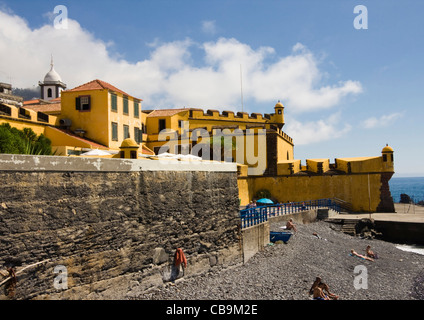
354, 165
210, 114
22, 114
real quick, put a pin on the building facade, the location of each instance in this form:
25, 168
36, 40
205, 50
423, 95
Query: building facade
103, 113
98, 115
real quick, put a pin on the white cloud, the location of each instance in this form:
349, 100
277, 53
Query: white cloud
169, 77
383, 121
316, 131
209, 26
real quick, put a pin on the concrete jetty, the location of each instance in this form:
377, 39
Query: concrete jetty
406, 225
404, 213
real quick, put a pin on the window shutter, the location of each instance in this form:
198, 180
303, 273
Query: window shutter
78, 103
89, 103
114, 103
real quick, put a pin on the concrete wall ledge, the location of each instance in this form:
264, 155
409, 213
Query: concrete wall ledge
13, 162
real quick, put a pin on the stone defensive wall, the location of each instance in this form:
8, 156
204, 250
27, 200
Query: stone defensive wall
93, 223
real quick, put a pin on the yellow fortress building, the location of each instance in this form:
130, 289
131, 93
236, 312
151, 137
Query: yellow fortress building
98, 116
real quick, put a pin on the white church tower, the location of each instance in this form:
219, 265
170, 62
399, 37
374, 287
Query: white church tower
52, 85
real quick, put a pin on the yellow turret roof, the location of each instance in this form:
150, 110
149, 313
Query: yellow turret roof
387, 149
129, 143
279, 105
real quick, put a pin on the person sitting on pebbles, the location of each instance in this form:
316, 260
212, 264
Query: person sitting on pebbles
290, 225
318, 290
371, 253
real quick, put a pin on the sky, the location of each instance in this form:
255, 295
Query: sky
350, 78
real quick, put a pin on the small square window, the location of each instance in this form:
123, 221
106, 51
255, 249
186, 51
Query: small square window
162, 124
83, 103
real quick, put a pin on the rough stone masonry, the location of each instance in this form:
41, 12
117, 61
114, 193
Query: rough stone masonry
108, 221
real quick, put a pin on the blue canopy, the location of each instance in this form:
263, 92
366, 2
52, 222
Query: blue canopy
265, 201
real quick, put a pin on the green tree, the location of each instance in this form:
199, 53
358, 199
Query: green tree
26, 141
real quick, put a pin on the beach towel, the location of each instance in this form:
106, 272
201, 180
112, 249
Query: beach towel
179, 258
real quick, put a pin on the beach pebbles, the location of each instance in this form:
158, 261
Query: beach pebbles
287, 271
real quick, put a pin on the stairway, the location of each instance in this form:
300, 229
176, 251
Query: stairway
349, 227
344, 205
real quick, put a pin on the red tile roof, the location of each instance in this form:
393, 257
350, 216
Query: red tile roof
45, 108
145, 150
36, 101
41, 101
165, 112
99, 85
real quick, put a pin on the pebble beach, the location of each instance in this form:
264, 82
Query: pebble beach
287, 271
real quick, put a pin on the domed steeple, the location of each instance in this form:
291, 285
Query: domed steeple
52, 75
52, 85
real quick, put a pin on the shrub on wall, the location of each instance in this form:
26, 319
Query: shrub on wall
263, 193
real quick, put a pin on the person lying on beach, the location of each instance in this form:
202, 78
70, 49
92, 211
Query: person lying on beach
318, 236
354, 253
291, 226
318, 288
371, 253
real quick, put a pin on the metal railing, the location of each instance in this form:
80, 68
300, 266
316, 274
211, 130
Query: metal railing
259, 214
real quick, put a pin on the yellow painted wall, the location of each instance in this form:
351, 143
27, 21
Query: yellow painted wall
60, 138
283, 167
19, 124
361, 187
313, 164
94, 121
350, 188
285, 150
119, 117
97, 122
30, 121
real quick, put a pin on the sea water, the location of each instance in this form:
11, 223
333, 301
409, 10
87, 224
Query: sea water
411, 248
413, 187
